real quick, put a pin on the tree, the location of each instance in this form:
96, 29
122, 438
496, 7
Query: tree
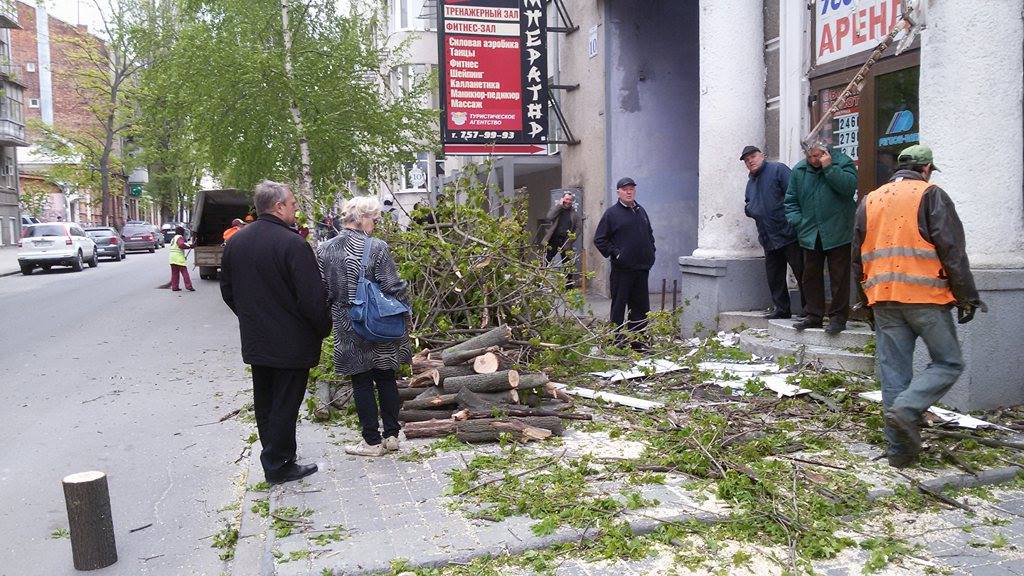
279, 90
34, 198
102, 72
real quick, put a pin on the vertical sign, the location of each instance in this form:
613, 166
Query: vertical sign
494, 87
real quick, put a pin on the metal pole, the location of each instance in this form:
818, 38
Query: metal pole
664, 288
675, 291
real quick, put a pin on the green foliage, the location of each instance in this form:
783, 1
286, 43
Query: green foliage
325, 538
60, 534
883, 551
226, 540
447, 444
261, 506
285, 519
262, 486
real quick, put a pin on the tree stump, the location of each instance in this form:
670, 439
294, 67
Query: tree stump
497, 382
92, 526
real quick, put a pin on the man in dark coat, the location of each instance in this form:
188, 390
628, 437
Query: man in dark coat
766, 190
820, 203
624, 235
271, 280
563, 221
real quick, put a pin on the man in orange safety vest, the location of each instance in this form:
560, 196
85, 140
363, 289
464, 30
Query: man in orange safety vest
909, 255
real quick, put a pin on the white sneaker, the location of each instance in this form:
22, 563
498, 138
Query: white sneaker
364, 449
391, 443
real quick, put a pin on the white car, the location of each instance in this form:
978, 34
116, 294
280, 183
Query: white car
55, 244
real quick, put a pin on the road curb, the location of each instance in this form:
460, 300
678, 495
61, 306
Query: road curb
983, 478
252, 551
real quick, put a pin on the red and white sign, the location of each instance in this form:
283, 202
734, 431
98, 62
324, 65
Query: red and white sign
843, 28
493, 59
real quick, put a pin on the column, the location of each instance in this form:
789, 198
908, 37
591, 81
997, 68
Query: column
726, 271
971, 89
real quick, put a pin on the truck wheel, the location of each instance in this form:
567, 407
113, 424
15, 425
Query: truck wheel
26, 269
208, 272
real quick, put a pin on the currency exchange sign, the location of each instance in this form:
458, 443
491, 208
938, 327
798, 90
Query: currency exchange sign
494, 86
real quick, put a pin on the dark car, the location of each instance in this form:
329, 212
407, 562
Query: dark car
139, 237
108, 242
168, 231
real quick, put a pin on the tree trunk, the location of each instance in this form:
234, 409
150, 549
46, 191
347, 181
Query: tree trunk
521, 412
429, 429
522, 429
453, 358
306, 181
423, 415
430, 403
405, 394
497, 382
429, 392
490, 363
484, 401
92, 526
499, 336
439, 375
422, 379
528, 381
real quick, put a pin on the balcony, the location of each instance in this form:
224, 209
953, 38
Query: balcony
12, 133
9, 14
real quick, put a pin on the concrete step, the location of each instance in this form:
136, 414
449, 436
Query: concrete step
854, 338
761, 343
738, 321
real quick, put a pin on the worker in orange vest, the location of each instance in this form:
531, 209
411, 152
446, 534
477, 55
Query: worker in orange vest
236, 225
909, 254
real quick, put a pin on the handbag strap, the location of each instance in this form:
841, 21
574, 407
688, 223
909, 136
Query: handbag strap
366, 256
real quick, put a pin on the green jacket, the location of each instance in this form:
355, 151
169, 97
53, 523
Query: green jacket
823, 202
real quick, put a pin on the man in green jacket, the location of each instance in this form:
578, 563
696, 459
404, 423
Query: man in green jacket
821, 202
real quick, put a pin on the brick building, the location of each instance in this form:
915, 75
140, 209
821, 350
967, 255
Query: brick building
12, 128
42, 49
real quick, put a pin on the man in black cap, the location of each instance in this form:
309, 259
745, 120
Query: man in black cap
625, 236
766, 189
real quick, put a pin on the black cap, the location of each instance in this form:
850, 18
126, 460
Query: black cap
749, 150
627, 181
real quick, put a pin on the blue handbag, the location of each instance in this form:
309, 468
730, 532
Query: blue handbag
376, 317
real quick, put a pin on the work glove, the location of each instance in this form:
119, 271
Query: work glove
965, 312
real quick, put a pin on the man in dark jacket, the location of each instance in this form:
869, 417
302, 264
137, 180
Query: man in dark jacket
563, 221
820, 203
270, 278
625, 236
766, 189
911, 276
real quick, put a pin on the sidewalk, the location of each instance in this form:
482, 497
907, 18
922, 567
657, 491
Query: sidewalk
9, 261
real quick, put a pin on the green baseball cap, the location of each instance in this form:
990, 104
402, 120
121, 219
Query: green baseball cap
917, 154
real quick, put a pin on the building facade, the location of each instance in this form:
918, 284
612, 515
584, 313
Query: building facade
43, 49
12, 128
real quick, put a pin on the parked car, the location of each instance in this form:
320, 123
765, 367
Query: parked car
168, 231
108, 242
28, 221
139, 236
56, 244
159, 236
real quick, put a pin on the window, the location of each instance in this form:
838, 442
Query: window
33, 102
30, 66
405, 14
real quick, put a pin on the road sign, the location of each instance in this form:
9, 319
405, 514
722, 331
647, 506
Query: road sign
494, 85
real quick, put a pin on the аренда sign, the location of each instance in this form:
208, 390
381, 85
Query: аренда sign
846, 27
494, 91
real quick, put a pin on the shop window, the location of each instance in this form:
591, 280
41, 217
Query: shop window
896, 119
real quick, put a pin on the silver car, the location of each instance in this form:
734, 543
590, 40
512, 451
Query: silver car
139, 237
108, 243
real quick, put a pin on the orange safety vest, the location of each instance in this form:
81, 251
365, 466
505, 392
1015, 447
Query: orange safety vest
229, 233
899, 264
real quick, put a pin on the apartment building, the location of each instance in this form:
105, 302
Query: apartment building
12, 128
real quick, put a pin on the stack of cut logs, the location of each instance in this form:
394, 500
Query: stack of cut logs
471, 390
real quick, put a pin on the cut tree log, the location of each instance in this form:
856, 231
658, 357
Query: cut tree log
423, 415
429, 429
519, 411
430, 392
528, 381
422, 379
343, 394
89, 519
422, 362
442, 373
486, 401
555, 390
491, 362
497, 382
430, 403
522, 429
454, 358
405, 394
499, 336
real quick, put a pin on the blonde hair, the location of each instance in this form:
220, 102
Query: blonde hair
359, 207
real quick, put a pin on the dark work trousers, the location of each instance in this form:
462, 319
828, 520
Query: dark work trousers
775, 262
838, 277
629, 290
556, 245
277, 396
366, 403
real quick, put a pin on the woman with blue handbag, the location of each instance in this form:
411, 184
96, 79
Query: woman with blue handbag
357, 268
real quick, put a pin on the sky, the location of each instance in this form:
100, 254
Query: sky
77, 12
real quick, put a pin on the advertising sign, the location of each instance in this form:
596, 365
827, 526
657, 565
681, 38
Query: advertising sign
846, 27
493, 76
845, 123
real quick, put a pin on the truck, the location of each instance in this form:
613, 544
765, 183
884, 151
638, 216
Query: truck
213, 213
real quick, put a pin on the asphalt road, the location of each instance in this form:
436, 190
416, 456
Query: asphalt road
101, 371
